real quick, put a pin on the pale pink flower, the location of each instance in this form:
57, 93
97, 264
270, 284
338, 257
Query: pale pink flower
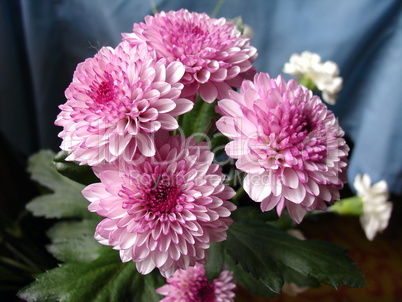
216, 55
192, 285
162, 211
116, 100
288, 142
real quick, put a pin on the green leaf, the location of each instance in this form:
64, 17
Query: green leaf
66, 230
146, 290
103, 280
215, 262
264, 251
218, 143
197, 120
82, 174
253, 213
247, 280
291, 276
82, 249
73, 241
252, 254
66, 201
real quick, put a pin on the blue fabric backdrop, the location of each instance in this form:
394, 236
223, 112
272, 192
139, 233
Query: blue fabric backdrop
42, 41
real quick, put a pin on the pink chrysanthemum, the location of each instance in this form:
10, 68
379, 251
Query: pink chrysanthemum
162, 211
288, 142
116, 100
192, 285
216, 55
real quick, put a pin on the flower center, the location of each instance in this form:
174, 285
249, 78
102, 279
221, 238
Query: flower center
162, 193
201, 291
188, 39
162, 198
293, 134
107, 100
158, 192
105, 92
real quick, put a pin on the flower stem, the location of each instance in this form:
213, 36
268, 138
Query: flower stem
216, 9
17, 264
154, 7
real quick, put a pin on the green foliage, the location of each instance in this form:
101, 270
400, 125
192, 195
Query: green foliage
198, 121
215, 262
247, 280
272, 256
90, 271
102, 280
66, 201
82, 174
260, 254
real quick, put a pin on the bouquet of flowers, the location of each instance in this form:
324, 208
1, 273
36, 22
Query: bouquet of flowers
192, 169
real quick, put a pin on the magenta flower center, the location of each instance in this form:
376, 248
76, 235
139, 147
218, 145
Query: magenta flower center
292, 132
162, 197
201, 290
186, 41
158, 192
105, 92
106, 99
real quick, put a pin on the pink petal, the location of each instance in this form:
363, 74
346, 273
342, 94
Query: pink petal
182, 106
208, 92
226, 125
174, 72
145, 144
256, 187
164, 105
290, 178
296, 195
202, 76
295, 211
230, 107
146, 266
168, 122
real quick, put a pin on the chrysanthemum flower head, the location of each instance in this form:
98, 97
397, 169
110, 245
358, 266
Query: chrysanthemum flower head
324, 76
162, 211
376, 207
116, 100
288, 142
216, 55
192, 285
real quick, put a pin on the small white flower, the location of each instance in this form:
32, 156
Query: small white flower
376, 209
308, 66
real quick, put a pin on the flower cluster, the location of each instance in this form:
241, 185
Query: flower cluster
163, 199
193, 285
288, 142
